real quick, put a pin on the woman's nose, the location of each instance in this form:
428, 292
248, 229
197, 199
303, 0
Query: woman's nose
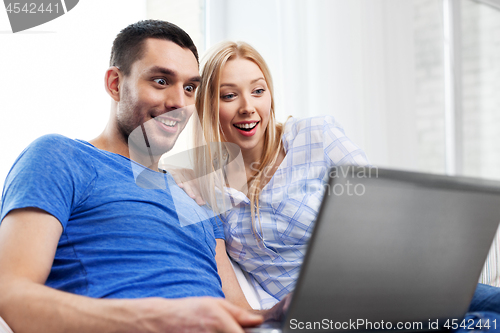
246, 106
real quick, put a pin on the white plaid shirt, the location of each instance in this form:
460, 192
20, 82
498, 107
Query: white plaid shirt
289, 204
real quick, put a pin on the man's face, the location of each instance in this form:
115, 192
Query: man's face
152, 110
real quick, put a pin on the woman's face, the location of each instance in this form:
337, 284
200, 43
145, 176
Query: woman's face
245, 105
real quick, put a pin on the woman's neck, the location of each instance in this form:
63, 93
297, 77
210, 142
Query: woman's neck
253, 165
251, 159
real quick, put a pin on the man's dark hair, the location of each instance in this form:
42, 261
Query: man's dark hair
128, 44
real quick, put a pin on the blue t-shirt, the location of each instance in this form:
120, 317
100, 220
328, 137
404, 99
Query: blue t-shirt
121, 234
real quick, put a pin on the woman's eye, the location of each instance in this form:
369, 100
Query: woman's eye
259, 91
162, 82
228, 96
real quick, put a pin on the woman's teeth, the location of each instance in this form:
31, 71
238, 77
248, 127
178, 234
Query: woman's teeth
246, 127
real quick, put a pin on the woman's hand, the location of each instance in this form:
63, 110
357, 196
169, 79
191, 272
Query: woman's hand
186, 180
278, 311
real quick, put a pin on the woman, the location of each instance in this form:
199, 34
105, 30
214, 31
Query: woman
268, 217
285, 167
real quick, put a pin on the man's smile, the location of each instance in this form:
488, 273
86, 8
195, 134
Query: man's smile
167, 122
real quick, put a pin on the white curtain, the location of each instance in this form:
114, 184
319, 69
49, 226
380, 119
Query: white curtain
351, 59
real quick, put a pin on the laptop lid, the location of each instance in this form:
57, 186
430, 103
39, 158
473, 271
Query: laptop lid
394, 247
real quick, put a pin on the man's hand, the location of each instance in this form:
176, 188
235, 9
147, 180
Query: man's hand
200, 315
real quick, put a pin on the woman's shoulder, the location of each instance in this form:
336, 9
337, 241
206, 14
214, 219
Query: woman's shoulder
295, 125
300, 129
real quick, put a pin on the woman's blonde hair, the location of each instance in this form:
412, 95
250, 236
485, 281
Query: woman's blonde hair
207, 106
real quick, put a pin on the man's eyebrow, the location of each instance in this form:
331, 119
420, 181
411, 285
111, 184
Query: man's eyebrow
195, 79
169, 72
162, 70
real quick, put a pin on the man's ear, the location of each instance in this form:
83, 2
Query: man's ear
112, 81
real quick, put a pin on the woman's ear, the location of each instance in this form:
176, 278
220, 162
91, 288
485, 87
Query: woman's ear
112, 80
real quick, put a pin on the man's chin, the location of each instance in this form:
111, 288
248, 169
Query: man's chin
153, 149
149, 149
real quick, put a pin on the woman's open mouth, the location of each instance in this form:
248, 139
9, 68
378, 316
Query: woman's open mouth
247, 128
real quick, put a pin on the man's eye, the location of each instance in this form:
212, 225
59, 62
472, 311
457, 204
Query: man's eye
190, 88
162, 82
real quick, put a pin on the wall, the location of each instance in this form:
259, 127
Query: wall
52, 76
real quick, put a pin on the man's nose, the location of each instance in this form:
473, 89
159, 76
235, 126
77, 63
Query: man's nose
175, 98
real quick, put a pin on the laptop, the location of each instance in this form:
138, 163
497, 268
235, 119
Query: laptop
393, 250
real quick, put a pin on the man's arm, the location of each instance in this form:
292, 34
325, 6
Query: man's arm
28, 242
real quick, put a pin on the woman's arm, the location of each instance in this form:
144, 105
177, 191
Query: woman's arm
232, 290
338, 147
230, 285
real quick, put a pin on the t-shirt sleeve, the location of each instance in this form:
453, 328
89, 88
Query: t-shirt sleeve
338, 148
218, 226
51, 174
206, 215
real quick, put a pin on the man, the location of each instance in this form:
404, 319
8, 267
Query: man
85, 244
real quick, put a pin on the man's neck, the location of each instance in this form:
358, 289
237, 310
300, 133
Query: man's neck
115, 144
112, 140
